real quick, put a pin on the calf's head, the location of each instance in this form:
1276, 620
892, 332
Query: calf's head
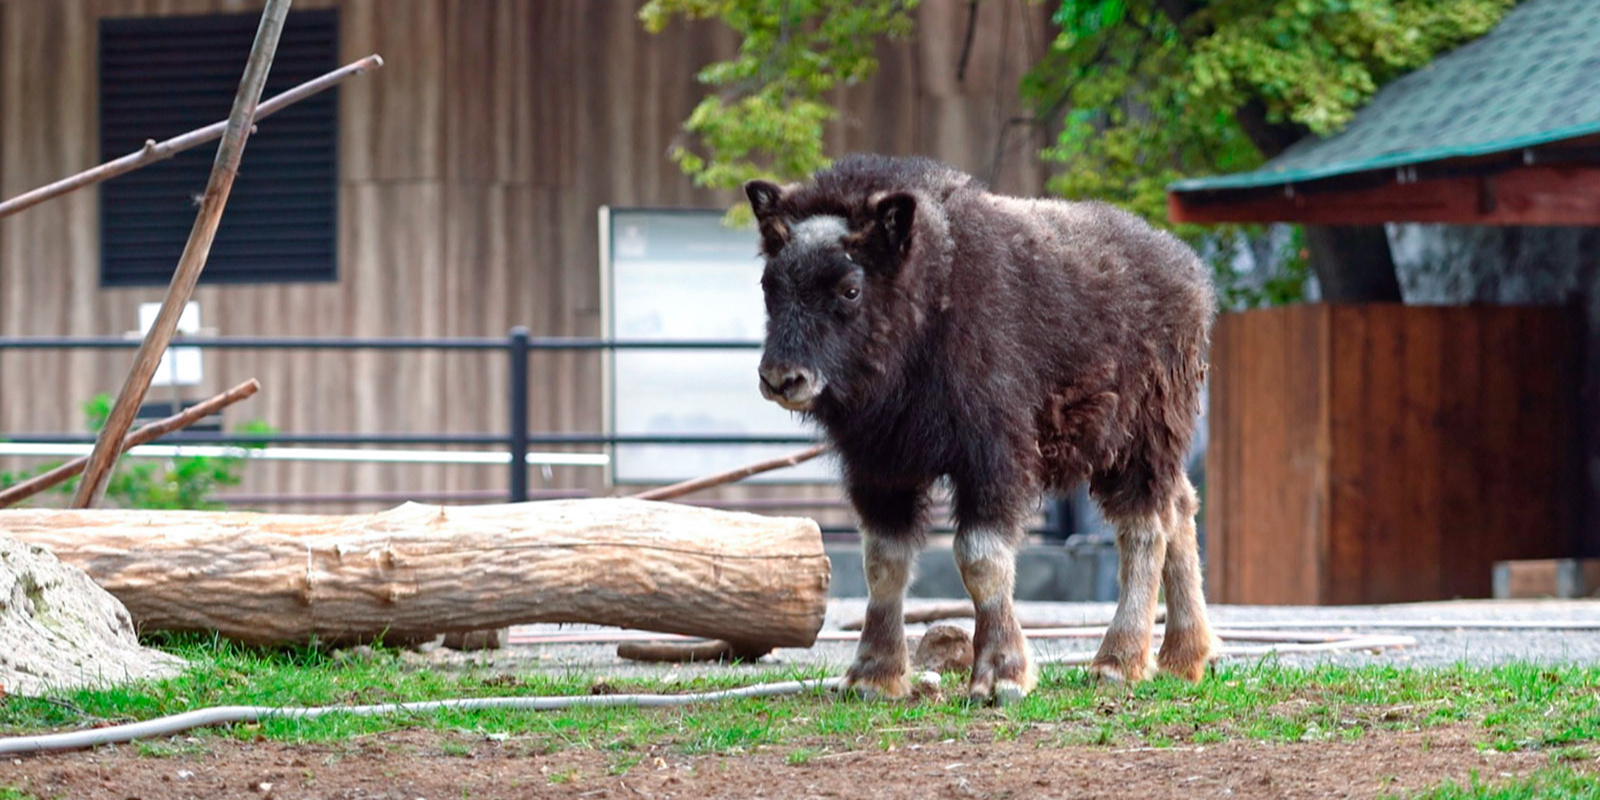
829, 277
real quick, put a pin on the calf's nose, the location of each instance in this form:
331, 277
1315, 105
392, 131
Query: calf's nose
784, 380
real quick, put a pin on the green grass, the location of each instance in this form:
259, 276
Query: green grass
1547, 784
1517, 707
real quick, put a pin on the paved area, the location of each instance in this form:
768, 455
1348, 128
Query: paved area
1478, 632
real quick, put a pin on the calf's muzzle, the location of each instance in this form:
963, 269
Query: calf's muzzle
794, 388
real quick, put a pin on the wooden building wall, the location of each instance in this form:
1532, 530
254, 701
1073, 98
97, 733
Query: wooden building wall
471, 168
1386, 453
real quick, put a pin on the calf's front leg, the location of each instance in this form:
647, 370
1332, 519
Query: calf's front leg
893, 530
881, 660
1002, 670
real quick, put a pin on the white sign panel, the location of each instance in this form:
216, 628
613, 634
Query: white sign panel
180, 366
684, 275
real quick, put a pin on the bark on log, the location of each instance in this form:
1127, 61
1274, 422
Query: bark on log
422, 569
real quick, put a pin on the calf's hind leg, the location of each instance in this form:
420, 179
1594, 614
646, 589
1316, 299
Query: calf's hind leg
1188, 643
1141, 549
1158, 550
893, 530
1001, 667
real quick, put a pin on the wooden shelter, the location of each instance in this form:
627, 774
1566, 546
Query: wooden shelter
1380, 453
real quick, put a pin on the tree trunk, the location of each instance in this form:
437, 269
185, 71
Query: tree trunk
419, 570
1353, 263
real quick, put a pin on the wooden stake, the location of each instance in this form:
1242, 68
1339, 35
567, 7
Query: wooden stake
154, 151
695, 485
193, 260
148, 433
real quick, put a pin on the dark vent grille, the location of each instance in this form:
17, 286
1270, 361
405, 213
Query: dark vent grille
162, 76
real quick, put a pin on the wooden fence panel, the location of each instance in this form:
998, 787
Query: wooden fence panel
1384, 453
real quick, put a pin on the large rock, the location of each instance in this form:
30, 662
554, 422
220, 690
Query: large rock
58, 630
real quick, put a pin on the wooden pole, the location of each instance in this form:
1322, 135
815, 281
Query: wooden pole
193, 260
148, 433
154, 151
695, 485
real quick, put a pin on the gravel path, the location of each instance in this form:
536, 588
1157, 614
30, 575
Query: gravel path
1458, 638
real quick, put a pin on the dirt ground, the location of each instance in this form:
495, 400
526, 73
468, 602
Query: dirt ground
411, 765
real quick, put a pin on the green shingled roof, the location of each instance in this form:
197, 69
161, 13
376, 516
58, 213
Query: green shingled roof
1534, 79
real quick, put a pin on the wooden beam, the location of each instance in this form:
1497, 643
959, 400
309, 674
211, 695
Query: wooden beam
1531, 195
223, 171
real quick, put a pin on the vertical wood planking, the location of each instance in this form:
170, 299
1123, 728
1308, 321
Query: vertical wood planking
1346, 565
1307, 368
1384, 471
1501, 467
393, 126
1220, 484
1262, 531
1422, 536
1422, 445
1461, 415
1262, 553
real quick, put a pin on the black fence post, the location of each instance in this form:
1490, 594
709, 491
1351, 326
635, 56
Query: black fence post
519, 414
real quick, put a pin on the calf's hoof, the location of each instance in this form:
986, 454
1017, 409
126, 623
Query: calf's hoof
1185, 654
1002, 678
1120, 664
875, 679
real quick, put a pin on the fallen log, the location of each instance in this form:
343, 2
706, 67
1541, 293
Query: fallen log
416, 570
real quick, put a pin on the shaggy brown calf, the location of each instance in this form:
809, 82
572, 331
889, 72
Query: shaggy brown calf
936, 330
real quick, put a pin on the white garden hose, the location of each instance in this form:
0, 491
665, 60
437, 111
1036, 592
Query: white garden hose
222, 715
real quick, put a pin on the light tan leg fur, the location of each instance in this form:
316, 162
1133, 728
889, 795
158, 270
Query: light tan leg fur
1002, 669
881, 658
1125, 652
1188, 644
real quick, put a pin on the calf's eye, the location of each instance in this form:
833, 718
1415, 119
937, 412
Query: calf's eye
852, 292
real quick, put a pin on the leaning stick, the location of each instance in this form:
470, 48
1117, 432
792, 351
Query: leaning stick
154, 151
145, 435
223, 171
732, 475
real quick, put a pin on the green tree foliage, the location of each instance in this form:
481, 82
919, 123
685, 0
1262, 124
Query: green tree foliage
180, 483
1150, 91
1141, 92
766, 118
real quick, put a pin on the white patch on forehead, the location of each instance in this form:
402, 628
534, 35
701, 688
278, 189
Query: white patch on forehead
819, 231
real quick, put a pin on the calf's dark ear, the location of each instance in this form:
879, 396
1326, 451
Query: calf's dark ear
895, 214
763, 197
